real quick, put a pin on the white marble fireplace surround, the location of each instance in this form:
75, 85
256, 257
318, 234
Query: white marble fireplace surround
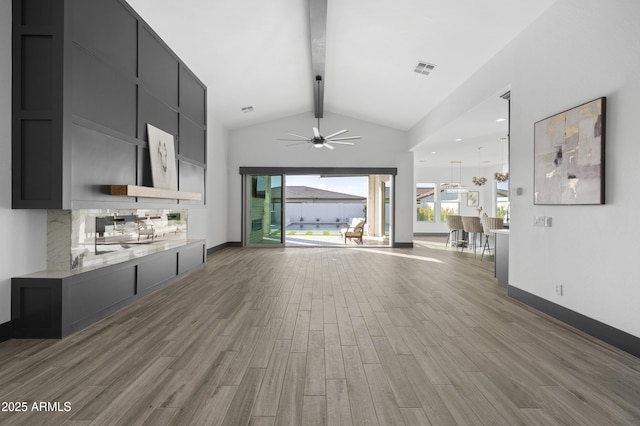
74, 243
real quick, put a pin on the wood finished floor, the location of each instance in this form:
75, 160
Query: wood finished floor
314, 336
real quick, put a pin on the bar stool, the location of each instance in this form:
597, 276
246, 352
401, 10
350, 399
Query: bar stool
455, 226
472, 225
489, 223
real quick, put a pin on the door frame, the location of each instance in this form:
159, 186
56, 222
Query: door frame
246, 213
332, 171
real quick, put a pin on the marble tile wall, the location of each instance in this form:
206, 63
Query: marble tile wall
59, 240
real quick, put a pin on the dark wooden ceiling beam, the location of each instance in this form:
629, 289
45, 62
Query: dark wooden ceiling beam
318, 33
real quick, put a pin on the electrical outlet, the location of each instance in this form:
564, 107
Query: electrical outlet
559, 290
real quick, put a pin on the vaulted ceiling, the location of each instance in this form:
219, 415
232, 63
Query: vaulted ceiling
258, 53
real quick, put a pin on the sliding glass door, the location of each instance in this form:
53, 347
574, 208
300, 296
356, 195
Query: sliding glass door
263, 212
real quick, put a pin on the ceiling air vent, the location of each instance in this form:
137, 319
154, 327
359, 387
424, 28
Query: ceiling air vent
247, 109
424, 68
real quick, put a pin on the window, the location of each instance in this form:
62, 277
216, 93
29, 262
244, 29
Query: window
425, 202
449, 203
433, 203
502, 200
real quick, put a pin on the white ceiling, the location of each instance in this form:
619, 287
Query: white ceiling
257, 53
461, 139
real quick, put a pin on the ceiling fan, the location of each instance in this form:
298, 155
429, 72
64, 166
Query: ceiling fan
320, 141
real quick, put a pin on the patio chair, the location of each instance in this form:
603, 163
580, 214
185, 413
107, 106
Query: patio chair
353, 231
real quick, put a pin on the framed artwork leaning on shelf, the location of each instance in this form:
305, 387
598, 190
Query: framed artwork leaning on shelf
162, 154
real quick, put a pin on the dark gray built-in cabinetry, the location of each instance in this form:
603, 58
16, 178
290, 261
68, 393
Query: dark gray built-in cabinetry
54, 305
88, 77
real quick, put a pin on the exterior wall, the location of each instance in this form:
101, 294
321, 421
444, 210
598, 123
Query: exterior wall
326, 212
587, 247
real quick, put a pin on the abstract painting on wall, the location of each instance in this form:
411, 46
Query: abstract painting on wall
569, 156
163, 158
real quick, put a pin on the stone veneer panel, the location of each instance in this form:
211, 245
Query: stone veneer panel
59, 240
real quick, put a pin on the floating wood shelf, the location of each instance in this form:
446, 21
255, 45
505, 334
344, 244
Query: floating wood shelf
150, 192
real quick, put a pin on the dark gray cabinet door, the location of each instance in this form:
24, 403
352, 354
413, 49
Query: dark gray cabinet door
52, 308
98, 65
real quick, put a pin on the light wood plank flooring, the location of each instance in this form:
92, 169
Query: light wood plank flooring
315, 336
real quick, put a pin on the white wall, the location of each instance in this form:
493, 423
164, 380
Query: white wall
210, 221
577, 51
379, 147
23, 247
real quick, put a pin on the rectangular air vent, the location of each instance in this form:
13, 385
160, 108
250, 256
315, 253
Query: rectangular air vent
247, 109
424, 68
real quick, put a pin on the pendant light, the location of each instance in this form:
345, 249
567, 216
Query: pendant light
479, 180
456, 188
504, 176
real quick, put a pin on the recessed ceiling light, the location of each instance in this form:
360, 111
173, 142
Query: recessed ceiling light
458, 140
247, 109
500, 120
433, 152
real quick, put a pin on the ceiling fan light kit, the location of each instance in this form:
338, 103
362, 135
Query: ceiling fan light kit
319, 141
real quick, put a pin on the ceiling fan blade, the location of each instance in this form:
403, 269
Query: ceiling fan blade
316, 132
336, 133
326, 145
299, 143
295, 140
341, 143
300, 136
346, 138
